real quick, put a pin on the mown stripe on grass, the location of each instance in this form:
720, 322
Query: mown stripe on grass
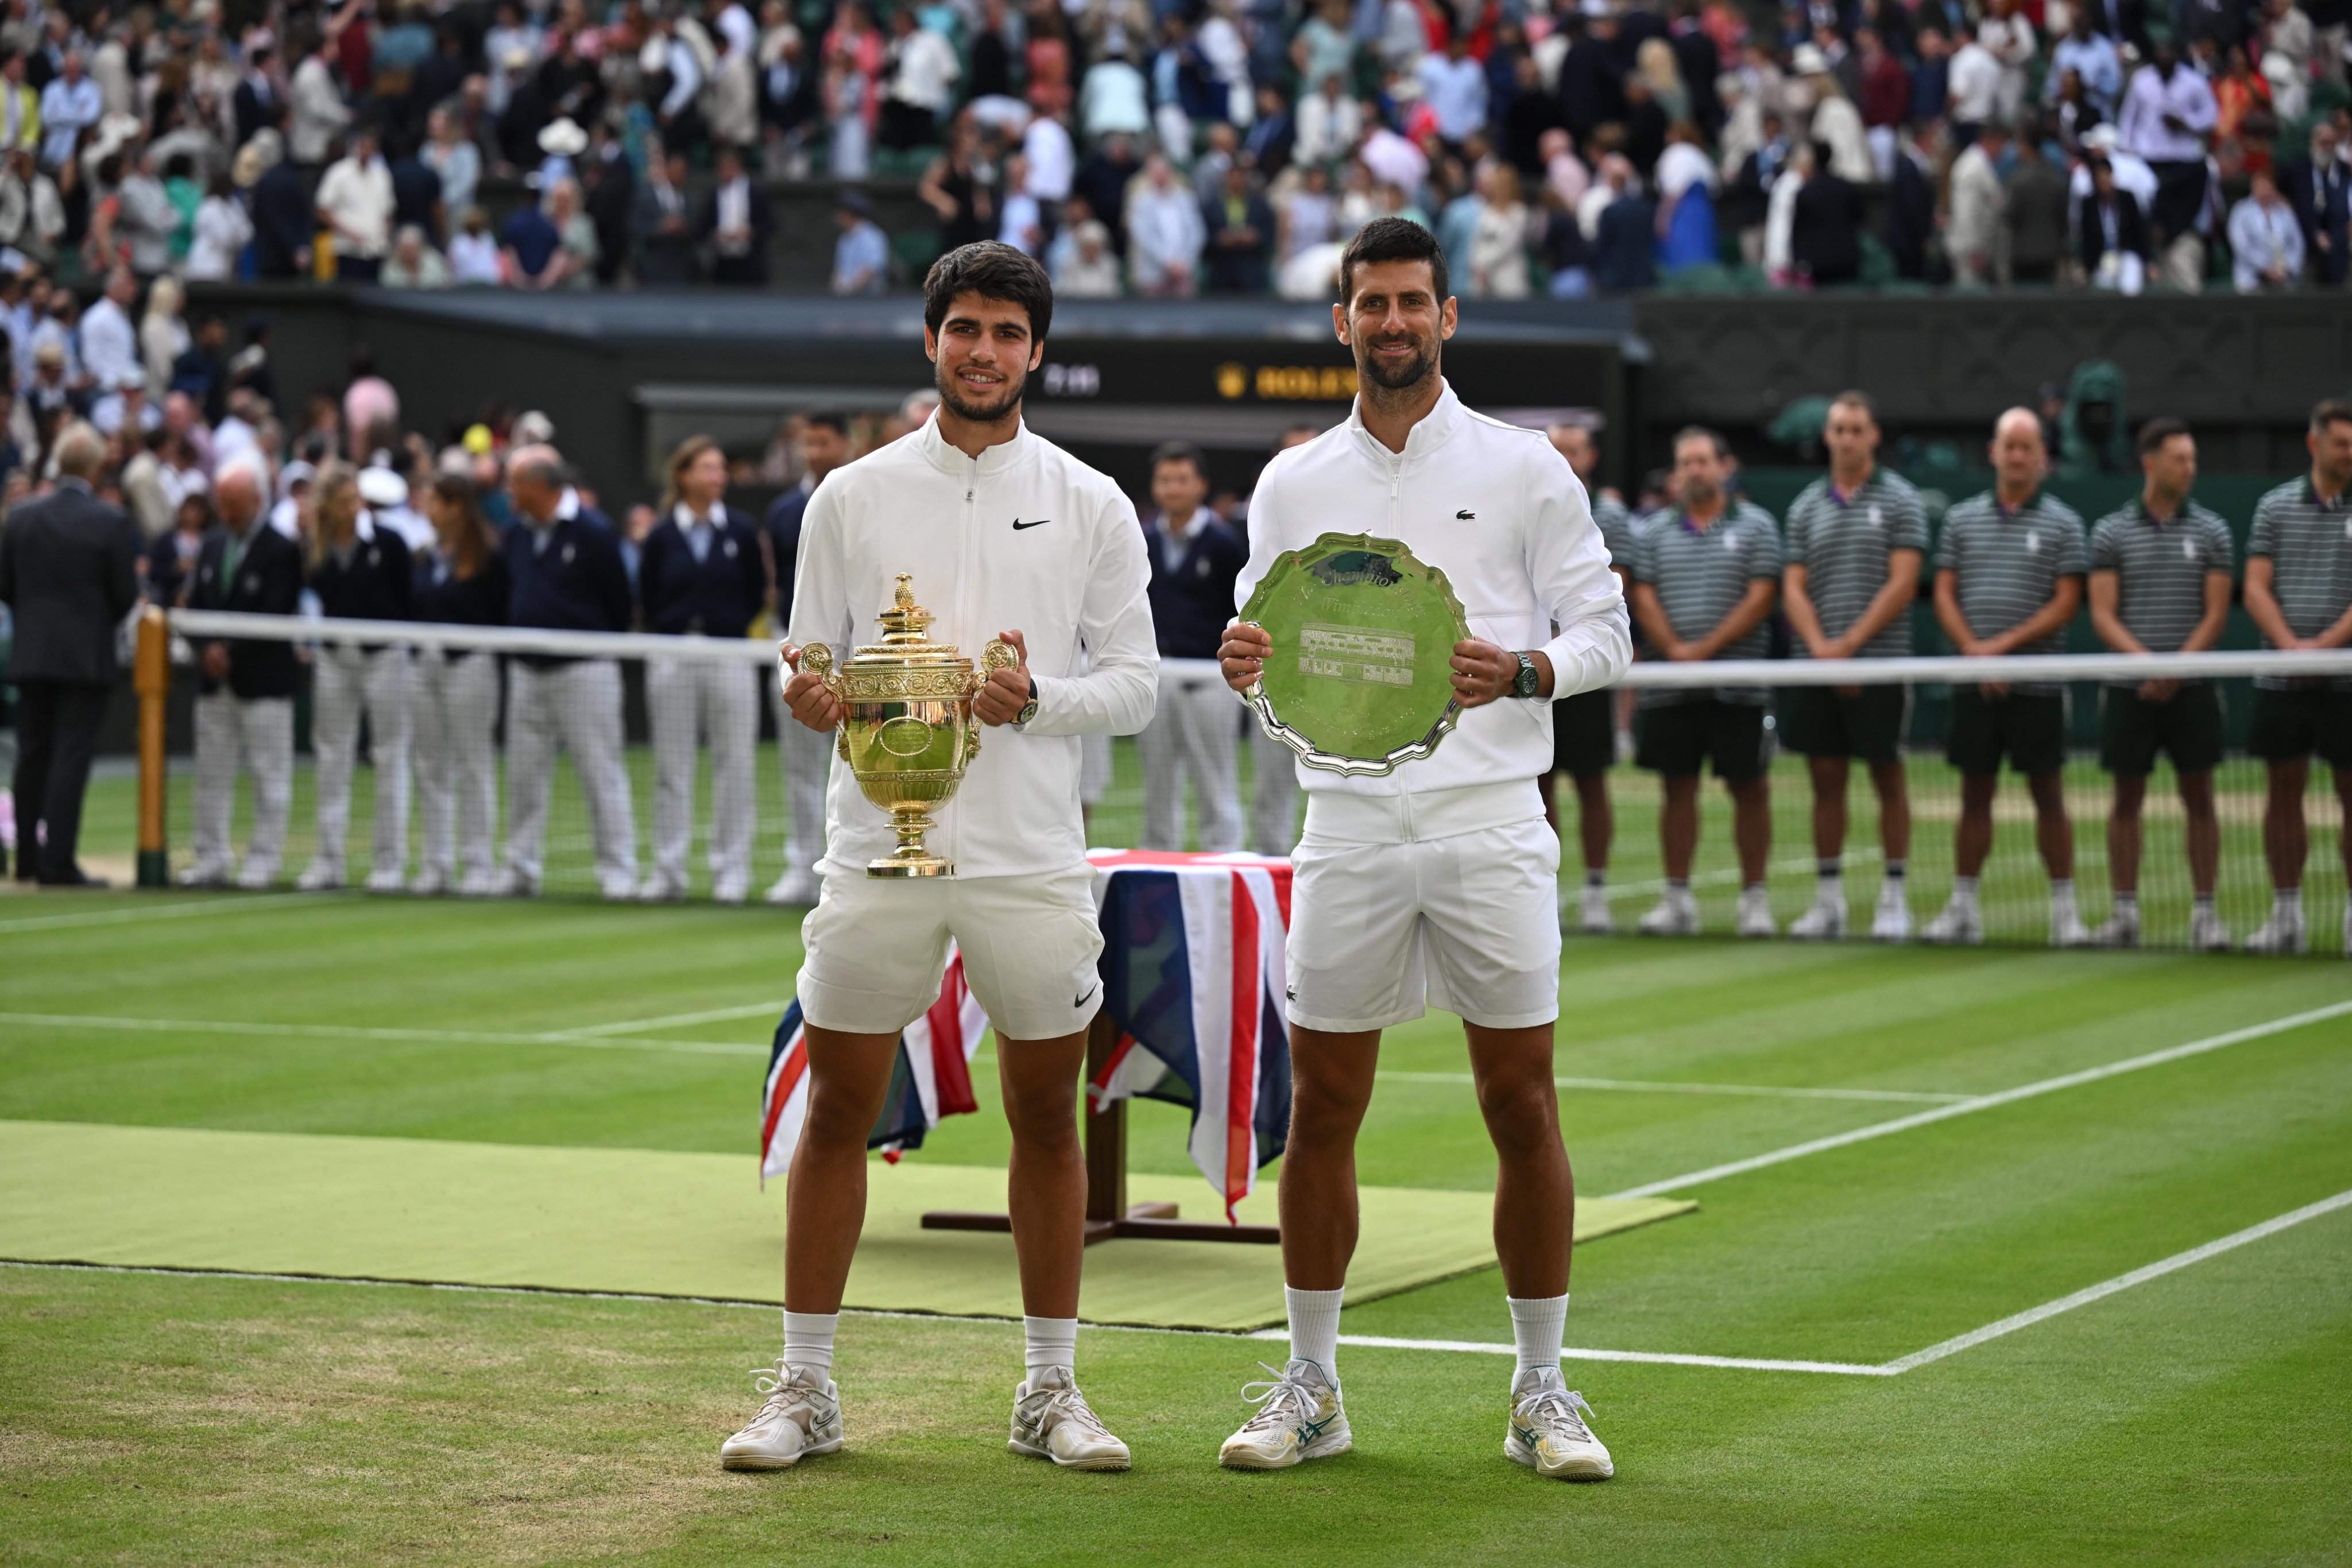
373, 1033
1988, 1102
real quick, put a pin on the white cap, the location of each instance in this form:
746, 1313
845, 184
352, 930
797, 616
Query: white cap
382, 488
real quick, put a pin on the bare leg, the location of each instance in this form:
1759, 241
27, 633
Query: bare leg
1893, 808
1535, 1192
2202, 834
2286, 840
1596, 819
1330, 1086
2344, 835
1046, 1184
2053, 833
2124, 829
825, 1200
1678, 824
1973, 840
1828, 805
1751, 826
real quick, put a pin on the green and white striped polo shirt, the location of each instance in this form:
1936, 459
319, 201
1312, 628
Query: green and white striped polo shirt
1616, 526
1845, 543
2160, 568
1700, 574
2008, 564
2309, 542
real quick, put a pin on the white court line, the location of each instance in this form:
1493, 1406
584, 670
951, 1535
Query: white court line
1370, 1342
678, 1020
2102, 1290
1582, 1352
1987, 1101
343, 1031
1648, 1086
155, 911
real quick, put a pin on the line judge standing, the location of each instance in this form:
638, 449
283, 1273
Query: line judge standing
804, 754
245, 701
69, 569
564, 563
1195, 556
702, 575
359, 572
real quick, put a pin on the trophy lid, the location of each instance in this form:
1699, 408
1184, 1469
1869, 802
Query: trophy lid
905, 639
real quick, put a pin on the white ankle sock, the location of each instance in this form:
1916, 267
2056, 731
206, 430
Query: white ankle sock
1539, 1324
1315, 1327
808, 1340
2061, 893
2127, 904
1052, 1342
2289, 902
1964, 891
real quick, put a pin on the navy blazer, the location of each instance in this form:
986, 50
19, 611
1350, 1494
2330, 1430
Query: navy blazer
68, 567
268, 582
718, 596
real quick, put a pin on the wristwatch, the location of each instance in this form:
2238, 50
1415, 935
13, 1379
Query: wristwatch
1529, 683
1029, 709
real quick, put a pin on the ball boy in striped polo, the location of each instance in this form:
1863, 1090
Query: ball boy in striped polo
1856, 541
2161, 584
2299, 591
2009, 576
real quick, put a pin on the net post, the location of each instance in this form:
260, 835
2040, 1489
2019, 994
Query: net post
151, 678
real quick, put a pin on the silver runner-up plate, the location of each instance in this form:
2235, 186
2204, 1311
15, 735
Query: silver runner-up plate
1360, 677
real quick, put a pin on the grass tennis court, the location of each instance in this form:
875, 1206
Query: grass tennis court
1932, 1142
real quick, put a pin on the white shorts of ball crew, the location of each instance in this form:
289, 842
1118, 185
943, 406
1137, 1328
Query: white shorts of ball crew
876, 947
1469, 924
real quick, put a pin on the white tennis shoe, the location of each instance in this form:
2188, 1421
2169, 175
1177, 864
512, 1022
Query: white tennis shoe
1547, 1432
1051, 1420
2206, 932
801, 1416
1298, 1418
1892, 923
1674, 916
1755, 917
1959, 924
1824, 922
1593, 916
2282, 932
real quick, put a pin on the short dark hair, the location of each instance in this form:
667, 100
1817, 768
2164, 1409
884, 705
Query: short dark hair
992, 271
1700, 433
1180, 452
2329, 411
1392, 239
1855, 398
2157, 432
831, 418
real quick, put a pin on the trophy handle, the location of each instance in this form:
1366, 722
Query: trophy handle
816, 659
997, 655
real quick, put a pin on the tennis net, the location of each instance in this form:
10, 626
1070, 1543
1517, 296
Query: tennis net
454, 733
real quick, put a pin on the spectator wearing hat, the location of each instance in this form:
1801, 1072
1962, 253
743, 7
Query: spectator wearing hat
355, 204
68, 571
735, 222
861, 256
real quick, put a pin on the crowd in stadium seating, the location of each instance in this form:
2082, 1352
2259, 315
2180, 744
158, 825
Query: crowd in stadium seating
1180, 147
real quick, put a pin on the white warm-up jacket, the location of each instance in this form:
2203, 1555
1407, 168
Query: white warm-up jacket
1498, 511
1072, 579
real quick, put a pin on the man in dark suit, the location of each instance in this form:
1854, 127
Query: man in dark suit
1240, 226
662, 223
258, 104
1195, 556
2320, 191
1825, 232
283, 219
735, 222
69, 570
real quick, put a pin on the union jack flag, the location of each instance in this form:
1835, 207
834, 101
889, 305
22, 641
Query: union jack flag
1192, 974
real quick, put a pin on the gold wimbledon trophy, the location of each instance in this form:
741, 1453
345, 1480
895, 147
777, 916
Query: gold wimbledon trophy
907, 728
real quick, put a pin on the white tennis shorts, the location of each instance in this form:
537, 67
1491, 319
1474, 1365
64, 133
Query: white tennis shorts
1469, 924
876, 946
